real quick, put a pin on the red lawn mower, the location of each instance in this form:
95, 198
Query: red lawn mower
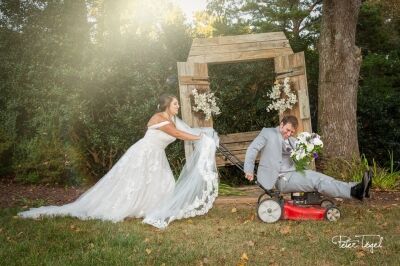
271, 206
302, 206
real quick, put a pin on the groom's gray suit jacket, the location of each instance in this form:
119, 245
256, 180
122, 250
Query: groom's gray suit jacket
269, 143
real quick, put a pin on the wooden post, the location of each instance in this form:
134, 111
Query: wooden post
192, 76
294, 67
224, 49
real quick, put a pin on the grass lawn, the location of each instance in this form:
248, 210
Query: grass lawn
225, 236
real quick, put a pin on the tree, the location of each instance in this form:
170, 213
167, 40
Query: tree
339, 67
79, 80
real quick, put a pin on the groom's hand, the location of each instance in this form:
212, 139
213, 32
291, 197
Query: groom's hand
249, 176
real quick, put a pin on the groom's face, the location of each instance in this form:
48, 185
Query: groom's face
287, 130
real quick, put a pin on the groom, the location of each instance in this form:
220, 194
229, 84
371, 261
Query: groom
277, 168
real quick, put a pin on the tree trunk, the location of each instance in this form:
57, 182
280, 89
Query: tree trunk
339, 67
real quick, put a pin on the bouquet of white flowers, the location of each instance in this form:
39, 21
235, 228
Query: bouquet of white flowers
205, 102
308, 145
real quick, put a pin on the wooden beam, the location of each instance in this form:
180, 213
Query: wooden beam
194, 80
229, 49
239, 47
238, 137
231, 57
221, 40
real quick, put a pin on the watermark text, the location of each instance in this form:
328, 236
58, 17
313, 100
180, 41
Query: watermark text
368, 242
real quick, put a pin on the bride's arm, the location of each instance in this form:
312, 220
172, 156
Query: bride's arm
208, 131
180, 125
179, 134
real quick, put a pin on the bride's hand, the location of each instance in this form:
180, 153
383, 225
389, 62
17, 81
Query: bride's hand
201, 135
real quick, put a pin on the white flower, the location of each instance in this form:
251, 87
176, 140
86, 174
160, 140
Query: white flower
307, 148
303, 138
310, 147
279, 103
305, 135
317, 142
206, 103
300, 154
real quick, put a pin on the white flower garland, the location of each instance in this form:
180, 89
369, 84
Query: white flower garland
205, 103
287, 101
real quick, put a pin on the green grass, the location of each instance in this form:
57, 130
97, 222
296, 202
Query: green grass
218, 238
227, 190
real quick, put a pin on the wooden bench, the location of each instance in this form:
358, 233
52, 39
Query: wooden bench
237, 144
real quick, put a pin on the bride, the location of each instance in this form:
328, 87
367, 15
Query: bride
141, 183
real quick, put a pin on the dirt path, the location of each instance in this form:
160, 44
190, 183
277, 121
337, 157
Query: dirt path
378, 197
13, 194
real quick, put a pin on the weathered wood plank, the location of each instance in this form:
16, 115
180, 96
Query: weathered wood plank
238, 137
301, 110
221, 40
240, 155
239, 47
186, 69
220, 160
240, 56
193, 80
295, 71
237, 144
304, 105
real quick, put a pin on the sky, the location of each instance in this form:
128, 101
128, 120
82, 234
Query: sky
190, 6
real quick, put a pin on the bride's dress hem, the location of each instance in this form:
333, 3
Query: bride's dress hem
141, 184
191, 211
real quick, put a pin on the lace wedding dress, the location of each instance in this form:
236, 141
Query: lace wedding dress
197, 186
141, 184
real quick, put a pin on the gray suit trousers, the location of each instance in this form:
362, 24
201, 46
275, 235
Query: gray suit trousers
309, 181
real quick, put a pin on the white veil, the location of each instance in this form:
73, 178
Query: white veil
197, 186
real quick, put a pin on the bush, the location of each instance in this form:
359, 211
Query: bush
8, 136
48, 160
353, 171
379, 107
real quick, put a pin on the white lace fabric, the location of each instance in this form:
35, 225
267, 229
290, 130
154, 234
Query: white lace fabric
196, 189
141, 184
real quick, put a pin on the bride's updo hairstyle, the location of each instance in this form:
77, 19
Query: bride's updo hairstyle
164, 101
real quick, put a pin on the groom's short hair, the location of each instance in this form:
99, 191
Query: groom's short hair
290, 119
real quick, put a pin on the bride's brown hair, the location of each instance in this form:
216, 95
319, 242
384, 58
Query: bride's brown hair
164, 101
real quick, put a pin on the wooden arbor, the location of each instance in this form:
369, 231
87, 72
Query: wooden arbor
228, 49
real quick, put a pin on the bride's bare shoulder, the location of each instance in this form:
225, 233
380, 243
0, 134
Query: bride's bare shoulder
156, 118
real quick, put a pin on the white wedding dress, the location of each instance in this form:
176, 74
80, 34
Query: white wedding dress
141, 183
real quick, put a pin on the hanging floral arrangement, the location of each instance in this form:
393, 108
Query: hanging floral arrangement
282, 95
205, 103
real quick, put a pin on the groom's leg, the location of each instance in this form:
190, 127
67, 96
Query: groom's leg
329, 186
308, 181
292, 182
